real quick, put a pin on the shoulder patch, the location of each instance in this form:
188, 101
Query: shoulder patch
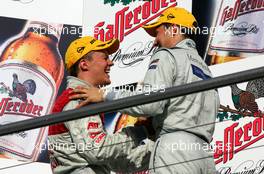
199, 72
152, 67
153, 64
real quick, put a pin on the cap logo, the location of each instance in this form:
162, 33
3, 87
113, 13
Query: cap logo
92, 41
170, 16
80, 49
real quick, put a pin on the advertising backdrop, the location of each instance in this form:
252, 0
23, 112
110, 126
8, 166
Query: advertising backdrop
32, 72
236, 25
238, 137
237, 31
26, 63
236, 44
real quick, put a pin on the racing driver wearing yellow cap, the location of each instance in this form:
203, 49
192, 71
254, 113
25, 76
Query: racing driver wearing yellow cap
83, 146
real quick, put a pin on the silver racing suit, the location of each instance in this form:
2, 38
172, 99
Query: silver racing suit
183, 120
83, 146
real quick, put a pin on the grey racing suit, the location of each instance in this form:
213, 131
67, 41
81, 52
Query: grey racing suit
83, 146
186, 120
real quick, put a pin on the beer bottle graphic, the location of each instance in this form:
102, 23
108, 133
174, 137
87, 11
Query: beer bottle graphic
238, 32
31, 69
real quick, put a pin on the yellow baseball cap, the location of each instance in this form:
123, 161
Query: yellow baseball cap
79, 47
172, 15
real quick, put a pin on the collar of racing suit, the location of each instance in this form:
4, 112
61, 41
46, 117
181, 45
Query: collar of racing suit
187, 44
73, 82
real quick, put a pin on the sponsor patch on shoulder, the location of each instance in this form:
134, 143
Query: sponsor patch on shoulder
199, 72
153, 64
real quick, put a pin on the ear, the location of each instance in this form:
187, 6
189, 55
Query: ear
84, 65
